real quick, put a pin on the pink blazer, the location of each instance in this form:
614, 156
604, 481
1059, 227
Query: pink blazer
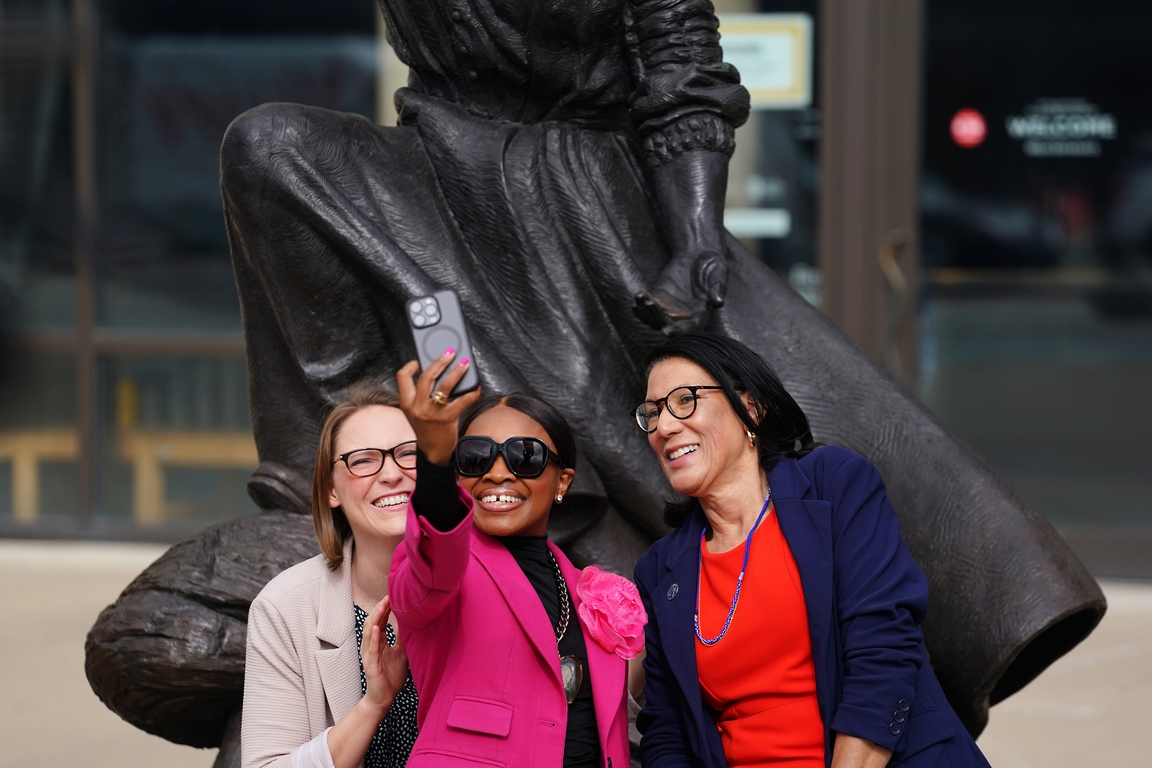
483, 655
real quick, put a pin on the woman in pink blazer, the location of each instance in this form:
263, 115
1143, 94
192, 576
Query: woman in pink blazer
518, 656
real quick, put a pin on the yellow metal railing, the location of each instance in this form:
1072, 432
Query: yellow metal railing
148, 452
26, 449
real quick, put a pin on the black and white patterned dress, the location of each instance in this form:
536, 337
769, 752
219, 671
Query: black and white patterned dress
394, 738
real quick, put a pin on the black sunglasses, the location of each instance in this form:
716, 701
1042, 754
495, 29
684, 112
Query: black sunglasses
524, 456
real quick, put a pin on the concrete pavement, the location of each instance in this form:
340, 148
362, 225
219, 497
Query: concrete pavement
1088, 709
50, 594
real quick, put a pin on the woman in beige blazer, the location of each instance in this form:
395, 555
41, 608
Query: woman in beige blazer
313, 697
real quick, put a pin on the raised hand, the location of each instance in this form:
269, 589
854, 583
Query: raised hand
434, 418
385, 666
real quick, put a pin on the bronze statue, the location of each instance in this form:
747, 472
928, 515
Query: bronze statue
562, 166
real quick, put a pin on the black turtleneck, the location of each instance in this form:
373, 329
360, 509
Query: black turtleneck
437, 500
582, 741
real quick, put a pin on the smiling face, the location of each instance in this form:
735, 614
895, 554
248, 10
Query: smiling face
507, 505
376, 506
710, 448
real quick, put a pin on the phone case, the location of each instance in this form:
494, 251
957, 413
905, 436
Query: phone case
438, 325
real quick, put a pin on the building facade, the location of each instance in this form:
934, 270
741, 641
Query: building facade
965, 187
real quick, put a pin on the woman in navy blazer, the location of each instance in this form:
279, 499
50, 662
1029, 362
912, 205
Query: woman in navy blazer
878, 699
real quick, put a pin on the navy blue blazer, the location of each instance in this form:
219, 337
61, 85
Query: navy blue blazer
866, 598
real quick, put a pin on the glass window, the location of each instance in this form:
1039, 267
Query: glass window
771, 200
165, 402
36, 194
172, 77
39, 453
176, 444
1036, 321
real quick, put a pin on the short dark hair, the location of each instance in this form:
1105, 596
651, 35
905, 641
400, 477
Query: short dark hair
778, 422
536, 409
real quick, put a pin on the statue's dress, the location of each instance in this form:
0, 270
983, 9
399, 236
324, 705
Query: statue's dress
519, 176
516, 178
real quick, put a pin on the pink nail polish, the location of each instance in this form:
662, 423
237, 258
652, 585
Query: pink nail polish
449, 352
464, 362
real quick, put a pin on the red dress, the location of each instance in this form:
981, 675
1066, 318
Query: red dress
760, 677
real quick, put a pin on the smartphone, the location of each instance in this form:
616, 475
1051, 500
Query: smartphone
437, 326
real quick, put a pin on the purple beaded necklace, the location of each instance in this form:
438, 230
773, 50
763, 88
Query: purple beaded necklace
739, 580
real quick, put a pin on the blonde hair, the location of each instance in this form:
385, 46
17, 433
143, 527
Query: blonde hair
332, 529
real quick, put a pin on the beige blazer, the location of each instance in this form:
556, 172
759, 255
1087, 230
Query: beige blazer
302, 671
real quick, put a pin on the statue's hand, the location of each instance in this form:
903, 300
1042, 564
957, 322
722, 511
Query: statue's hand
691, 287
690, 196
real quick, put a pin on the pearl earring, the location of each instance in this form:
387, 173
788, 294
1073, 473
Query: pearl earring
559, 498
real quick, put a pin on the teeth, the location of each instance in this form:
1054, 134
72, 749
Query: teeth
682, 452
391, 501
501, 498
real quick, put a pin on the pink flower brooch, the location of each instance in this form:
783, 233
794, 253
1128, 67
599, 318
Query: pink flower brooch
610, 608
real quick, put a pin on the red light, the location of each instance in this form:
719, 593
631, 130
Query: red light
968, 128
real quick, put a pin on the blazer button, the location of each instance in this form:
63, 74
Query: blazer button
894, 729
673, 591
899, 716
904, 706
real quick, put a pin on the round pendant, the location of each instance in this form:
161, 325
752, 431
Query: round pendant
572, 673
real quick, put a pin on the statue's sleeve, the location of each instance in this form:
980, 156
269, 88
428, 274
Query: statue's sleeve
686, 96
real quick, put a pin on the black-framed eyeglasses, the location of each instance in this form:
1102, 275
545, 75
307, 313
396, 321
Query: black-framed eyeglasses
681, 403
524, 456
365, 462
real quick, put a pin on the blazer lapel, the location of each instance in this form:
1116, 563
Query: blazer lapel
338, 658
606, 670
521, 597
807, 527
673, 603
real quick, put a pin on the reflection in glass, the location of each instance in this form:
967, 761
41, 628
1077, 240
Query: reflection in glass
168, 97
176, 439
36, 195
1036, 324
1054, 395
772, 179
38, 440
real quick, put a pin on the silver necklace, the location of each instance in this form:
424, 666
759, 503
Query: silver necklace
571, 670
561, 628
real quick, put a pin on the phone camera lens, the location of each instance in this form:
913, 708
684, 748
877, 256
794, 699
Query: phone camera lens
415, 307
419, 321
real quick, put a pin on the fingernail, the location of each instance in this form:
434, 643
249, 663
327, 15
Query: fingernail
449, 352
464, 362
478, 387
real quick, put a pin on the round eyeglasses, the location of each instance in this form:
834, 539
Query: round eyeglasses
365, 462
681, 403
524, 456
